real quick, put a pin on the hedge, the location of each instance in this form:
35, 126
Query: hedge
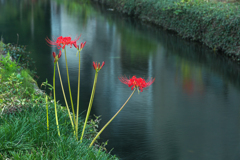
213, 24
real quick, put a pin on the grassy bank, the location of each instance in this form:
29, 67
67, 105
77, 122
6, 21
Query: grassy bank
23, 129
214, 24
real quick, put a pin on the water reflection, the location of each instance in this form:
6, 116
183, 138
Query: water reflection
190, 112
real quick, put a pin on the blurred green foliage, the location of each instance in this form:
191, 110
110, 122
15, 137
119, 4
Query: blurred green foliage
137, 45
20, 55
16, 83
216, 24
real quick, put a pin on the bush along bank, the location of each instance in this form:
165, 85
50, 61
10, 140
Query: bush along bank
23, 129
213, 24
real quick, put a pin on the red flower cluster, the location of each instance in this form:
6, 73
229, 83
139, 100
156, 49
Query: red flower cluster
97, 66
56, 57
61, 42
140, 83
82, 45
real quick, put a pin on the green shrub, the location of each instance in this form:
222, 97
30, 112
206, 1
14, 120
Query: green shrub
16, 84
20, 55
215, 24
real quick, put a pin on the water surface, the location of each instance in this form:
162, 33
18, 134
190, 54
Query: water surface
191, 111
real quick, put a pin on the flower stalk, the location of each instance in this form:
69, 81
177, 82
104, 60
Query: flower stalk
97, 68
46, 98
78, 95
79, 69
90, 104
111, 119
69, 87
55, 104
69, 113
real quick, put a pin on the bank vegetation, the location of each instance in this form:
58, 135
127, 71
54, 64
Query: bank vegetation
215, 24
23, 128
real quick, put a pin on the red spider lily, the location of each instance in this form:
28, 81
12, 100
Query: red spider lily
76, 46
97, 66
81, 46
133, 82
54, 54
56, 57
74, 42
61, 42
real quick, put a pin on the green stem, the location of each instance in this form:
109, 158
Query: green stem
69, 113
78, 96
90, 103
70, 93
47, 114
111, 119
55, 104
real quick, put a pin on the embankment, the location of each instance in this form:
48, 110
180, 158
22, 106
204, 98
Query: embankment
214, 24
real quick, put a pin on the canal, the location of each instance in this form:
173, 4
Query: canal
190, 112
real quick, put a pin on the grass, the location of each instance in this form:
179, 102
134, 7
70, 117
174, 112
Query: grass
24, 135
23, 128
1, 47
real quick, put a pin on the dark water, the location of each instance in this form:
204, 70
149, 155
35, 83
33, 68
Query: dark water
191, 112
